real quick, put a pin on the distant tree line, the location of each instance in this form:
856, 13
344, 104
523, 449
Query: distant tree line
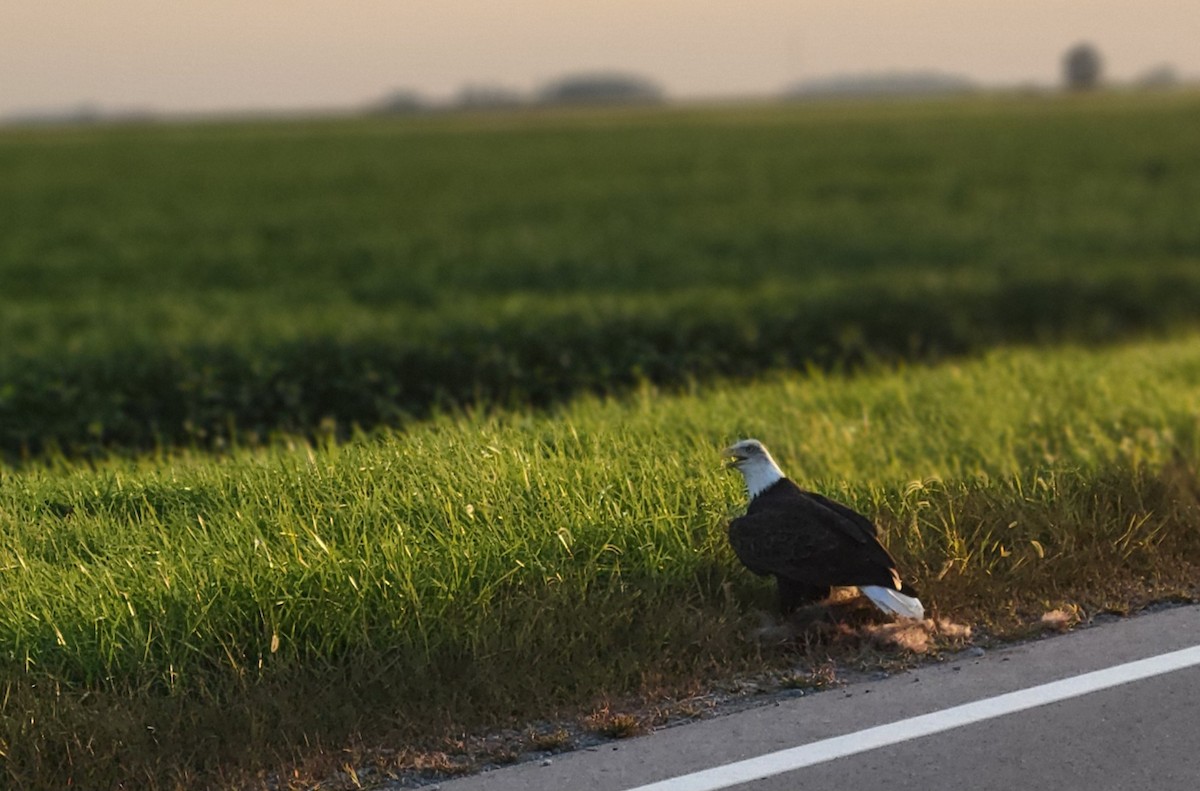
578, 89
919, 83
1082, 70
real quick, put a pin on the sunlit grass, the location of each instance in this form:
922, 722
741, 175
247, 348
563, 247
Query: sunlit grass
479, 567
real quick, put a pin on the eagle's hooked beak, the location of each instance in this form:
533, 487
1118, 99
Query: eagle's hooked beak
734, 457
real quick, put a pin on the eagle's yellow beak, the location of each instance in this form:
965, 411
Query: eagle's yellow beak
734, 457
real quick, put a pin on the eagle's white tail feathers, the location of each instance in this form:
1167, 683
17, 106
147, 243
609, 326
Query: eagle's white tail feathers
894, 602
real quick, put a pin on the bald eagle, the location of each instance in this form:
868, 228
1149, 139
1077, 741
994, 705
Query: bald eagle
810, 543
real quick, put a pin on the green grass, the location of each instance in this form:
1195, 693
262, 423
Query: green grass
167, 285
169, 618
531, 546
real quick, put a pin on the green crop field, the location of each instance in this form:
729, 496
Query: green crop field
377, 432
200, 284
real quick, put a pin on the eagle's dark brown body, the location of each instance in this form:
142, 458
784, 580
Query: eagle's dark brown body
810, 544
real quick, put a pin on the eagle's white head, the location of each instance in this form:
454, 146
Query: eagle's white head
751, 458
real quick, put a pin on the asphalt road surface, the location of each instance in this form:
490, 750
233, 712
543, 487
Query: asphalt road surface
1109, 707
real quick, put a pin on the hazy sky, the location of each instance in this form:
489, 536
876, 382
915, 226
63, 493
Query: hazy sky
199, 55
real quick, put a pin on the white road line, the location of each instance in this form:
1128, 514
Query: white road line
915, 727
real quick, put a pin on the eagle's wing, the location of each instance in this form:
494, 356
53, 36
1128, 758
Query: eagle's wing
861, 528
805, 540
766, 545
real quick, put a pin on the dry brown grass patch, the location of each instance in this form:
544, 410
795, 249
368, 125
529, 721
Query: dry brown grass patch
615, 725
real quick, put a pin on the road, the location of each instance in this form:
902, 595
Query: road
1067, 713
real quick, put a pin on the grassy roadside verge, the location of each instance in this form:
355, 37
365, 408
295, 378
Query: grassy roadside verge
166, 620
